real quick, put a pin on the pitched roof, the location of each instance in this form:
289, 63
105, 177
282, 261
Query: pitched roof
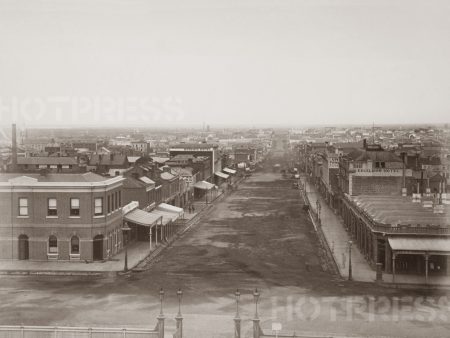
47, 160
167, 176
86, 177
398, 210
111, 160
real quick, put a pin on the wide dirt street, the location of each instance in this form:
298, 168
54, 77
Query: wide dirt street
258, 236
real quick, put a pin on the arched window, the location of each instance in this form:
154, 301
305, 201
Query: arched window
74, 245
52, 244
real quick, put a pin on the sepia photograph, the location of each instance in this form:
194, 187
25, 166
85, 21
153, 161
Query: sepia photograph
224, 168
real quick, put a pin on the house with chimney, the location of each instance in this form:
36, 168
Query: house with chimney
103, 163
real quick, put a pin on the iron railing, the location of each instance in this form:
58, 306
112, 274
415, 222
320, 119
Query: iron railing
74, 332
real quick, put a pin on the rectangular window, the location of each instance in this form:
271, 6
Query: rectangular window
109, 204
120, 199
52, 245
115, 201
98, 206
74, 207
23, 206
51, 207
113, 206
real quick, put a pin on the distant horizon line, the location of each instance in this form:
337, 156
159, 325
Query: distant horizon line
225, 125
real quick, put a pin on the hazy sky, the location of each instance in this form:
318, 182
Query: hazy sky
255, 61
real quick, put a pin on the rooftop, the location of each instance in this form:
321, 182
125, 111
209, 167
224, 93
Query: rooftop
47, 160
53, 178
397, 211
362, 155
194, 146
110, 159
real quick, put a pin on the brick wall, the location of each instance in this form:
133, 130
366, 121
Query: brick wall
364, 185
37, 226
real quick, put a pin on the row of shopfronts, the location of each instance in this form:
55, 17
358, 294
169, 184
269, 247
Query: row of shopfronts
403, 236
45, 226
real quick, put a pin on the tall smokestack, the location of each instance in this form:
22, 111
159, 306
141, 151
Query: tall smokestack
14, 148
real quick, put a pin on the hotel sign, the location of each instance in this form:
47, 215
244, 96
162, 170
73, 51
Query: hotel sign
381, 172
333, 162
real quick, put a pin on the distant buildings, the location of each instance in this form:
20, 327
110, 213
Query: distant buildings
50, 164
201, 149
142, 147
103, 163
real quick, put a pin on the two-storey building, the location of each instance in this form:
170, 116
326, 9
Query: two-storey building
60, 216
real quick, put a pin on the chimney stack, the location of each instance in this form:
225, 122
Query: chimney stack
14, 148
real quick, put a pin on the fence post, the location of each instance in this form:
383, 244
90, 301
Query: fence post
161, 315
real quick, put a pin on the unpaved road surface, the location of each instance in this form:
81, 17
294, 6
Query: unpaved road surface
258, 236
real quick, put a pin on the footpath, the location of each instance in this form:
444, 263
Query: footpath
337, 239
138, 254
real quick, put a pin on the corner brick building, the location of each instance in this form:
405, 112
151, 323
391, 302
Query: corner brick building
60, 216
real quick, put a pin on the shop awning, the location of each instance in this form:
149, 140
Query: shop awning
167, 216
229, 171
420, 244
221, 175
170, 208
141, 217
204, 185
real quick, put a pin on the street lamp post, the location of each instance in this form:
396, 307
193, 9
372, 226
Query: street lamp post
125, 231
161, 317
237, 318
256, 329
179, 317
256, 295
350, 260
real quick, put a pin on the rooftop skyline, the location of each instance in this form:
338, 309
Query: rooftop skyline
143, 63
